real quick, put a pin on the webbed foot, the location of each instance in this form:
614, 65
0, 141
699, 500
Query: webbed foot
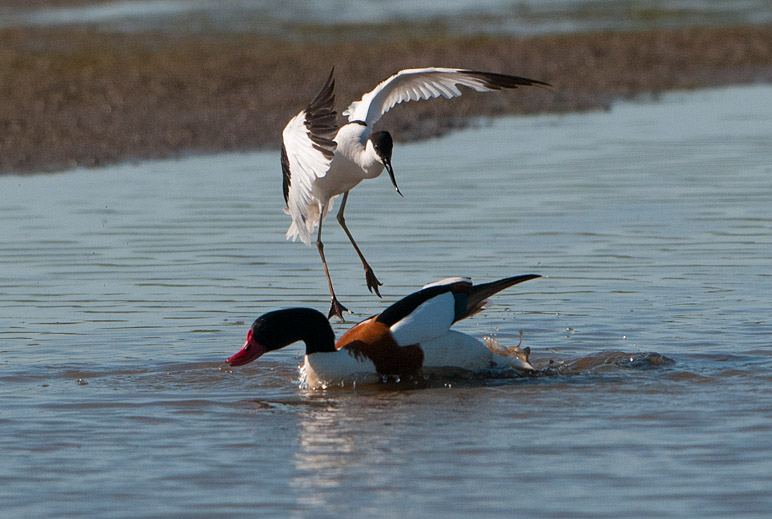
372, 281
337, 309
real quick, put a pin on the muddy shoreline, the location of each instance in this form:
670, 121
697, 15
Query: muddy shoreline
77, 97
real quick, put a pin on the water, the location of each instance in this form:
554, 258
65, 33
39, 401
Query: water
299, 18
123, 289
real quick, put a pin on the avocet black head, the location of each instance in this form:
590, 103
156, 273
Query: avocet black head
383, 146
321, 160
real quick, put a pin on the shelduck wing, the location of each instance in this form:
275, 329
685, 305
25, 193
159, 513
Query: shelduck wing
308, 147
430, 312
426, 83
457, 280
422, 315
478, 294
430, 319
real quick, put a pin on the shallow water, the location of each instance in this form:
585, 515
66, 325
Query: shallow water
123, 289
307, 19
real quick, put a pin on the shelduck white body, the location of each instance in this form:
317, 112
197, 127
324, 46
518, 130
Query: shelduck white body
452, 350
411, 335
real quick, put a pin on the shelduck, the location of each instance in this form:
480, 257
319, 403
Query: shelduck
321, 160
410, 335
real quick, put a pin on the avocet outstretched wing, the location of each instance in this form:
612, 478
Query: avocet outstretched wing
308, 147
417, 84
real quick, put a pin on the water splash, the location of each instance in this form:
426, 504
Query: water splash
607, 362
519, 354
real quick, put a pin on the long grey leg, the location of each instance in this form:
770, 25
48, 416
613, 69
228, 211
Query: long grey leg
372, 281
336, 308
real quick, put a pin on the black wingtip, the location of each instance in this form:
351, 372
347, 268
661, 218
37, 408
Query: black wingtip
480, 293
321, 118
325, 98
497, 81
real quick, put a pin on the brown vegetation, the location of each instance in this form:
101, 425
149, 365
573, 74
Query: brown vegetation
79, 97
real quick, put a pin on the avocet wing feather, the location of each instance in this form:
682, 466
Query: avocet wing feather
308, 147
426, 83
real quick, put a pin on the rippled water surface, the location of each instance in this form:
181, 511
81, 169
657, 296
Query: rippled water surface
123, 289
298, 18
